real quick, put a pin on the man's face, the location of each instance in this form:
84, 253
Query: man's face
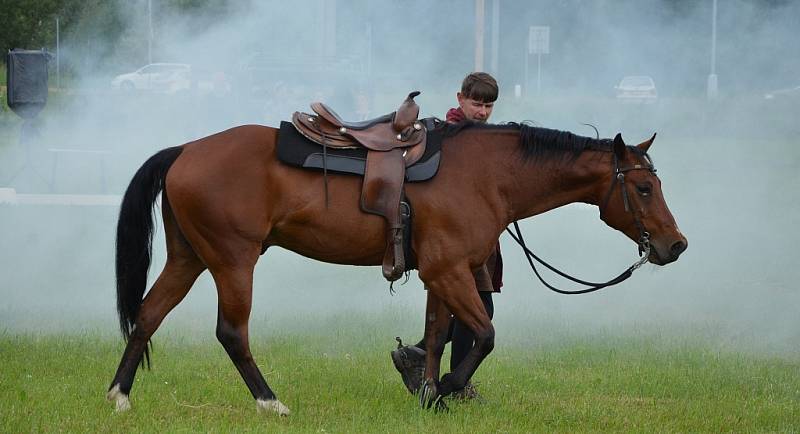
475, 110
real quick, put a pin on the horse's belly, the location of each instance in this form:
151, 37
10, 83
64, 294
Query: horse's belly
335, 236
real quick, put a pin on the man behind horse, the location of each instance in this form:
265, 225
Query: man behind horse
476, 100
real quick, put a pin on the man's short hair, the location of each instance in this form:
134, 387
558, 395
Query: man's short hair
480, 86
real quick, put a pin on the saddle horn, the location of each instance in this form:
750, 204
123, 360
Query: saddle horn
407, 113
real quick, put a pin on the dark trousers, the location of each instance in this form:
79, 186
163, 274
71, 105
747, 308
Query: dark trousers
461, 336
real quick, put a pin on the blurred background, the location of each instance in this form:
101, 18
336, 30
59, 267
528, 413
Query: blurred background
718, 81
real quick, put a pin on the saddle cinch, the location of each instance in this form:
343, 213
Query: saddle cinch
393, 142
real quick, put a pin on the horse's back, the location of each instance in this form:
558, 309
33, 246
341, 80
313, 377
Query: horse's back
220, 181
232, 147
221, 159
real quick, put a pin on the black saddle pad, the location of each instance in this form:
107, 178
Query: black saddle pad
296, 150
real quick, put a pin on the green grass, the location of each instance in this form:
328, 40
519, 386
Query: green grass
336, 376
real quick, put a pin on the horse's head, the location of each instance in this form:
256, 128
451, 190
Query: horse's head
634, 204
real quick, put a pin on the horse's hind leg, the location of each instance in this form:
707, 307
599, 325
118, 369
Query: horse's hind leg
181, 270
235, 287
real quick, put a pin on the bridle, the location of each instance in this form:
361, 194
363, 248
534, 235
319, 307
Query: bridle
619, 175
644, 236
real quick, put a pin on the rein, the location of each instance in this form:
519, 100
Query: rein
643, 243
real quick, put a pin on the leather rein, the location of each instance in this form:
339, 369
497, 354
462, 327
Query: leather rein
643, 243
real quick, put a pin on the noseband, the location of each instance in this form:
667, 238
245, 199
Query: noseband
644, 236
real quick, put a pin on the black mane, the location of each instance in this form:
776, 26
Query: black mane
537, 142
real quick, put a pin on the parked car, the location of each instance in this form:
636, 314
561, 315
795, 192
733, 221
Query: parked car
785, 93
156, 77
261, 75
640, 89
205, 82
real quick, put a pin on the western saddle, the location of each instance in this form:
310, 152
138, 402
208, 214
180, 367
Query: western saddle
393, 142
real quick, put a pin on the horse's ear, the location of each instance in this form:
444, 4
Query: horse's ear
644, 146
619, 146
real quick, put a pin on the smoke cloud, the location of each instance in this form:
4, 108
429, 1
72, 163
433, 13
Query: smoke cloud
728, 165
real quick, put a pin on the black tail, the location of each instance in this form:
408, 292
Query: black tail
135, 236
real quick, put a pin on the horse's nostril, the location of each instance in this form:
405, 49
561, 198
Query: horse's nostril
678, 247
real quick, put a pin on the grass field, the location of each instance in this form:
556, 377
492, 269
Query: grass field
336, 376
335, 373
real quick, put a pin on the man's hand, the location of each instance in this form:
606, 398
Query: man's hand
455, 115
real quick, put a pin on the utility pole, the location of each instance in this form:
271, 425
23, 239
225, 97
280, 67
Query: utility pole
495, 35
479, 27
538, 43
58, 54
326, 17
329, 28
712, 90
149, 31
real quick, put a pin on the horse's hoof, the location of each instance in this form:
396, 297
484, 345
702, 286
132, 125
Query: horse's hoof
440, 405
120, 399
272, 405
446, 386
429, 396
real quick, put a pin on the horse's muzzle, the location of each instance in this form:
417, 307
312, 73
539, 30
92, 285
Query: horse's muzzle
661, 256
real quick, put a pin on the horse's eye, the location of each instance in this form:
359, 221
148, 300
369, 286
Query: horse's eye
644, 189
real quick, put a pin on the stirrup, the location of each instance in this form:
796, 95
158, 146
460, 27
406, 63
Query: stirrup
394, 263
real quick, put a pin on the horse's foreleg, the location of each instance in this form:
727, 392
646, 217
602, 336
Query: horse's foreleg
172, 285
462, 298
235, 300
463, 339
437, 323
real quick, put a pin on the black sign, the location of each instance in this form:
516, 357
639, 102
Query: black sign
26, 77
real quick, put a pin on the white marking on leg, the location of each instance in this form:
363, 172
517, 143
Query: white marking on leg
119, 398
272, 405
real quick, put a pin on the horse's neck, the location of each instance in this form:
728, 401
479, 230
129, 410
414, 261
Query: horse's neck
547, 183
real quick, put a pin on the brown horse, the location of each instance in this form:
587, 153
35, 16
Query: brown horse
226, 199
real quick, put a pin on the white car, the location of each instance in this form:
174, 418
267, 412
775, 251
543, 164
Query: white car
786, 93
640, 89
157, 77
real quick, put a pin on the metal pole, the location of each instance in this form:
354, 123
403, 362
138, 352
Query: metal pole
714, 38
58, 54
495, 34
369, 51
712, 89
329, 26
479, 19
527, 81
539, 74
150, 31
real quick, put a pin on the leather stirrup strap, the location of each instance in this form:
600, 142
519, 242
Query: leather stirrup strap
380, 195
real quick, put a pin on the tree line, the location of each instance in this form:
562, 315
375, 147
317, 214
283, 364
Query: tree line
99, 26
108, 33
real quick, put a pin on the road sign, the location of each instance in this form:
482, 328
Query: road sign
539, 40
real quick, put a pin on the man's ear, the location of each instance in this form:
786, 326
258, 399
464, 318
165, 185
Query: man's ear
619, 147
